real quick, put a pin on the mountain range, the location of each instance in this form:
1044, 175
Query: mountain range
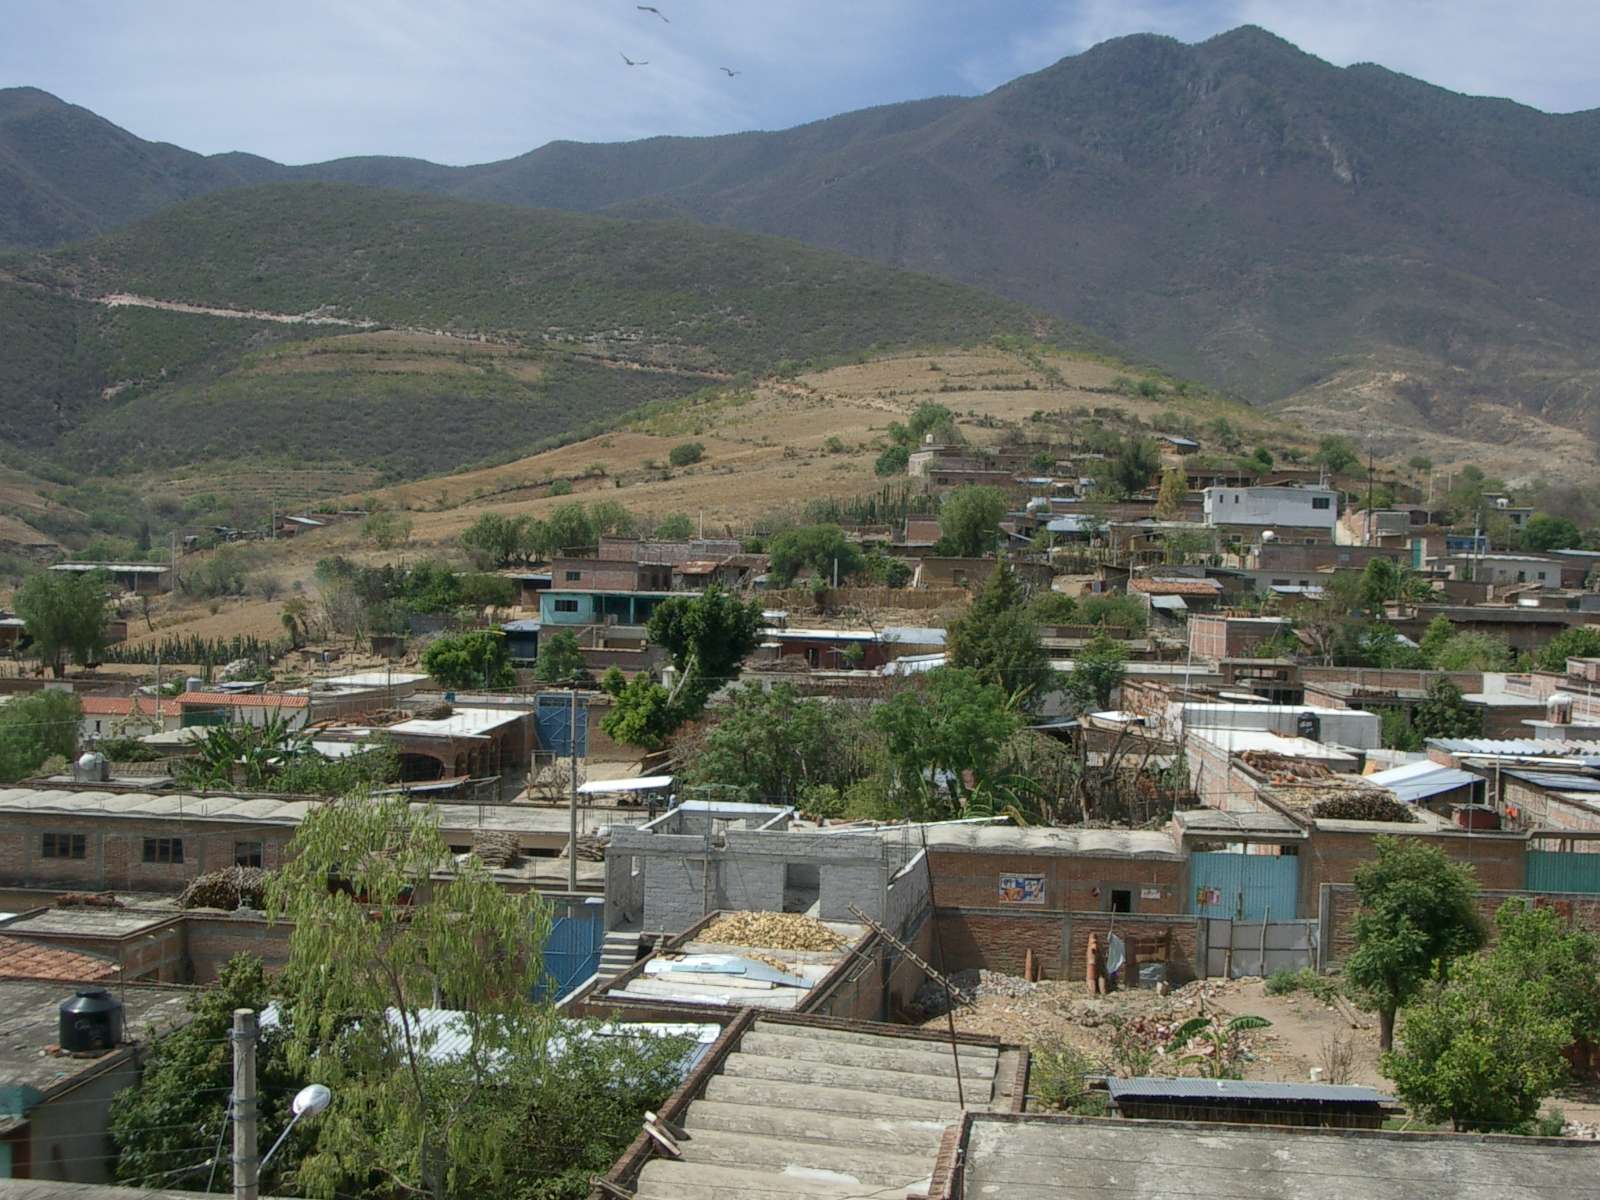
1237, 210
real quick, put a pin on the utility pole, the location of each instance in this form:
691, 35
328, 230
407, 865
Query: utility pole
572, 802
245, 1163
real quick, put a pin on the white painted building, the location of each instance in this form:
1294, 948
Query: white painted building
1270, 507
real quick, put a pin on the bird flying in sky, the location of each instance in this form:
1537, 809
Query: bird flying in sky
729, 72
643, 62
650, 8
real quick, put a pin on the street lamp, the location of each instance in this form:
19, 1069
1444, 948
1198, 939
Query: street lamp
308, 1102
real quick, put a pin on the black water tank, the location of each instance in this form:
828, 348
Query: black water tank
1309, 725
91, 1022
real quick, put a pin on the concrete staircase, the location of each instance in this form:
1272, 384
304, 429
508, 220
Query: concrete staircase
805, 1113
618, 952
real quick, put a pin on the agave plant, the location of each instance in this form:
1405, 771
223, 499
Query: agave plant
242, 755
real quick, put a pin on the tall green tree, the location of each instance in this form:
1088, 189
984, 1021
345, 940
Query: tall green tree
1097, 672
774, 745
945, 733
1418, 913
969, 520
1583, 641
182, 1097
1338, 454
708, 637
66, 614
1544, 532
1480, 1050
34, 727
997, 637
494, 539
476, 659
365, 961
823, 549
561, 659
1136, 462
571, 530
1537, 945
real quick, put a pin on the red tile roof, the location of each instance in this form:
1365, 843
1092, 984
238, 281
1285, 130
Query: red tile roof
246, 700
22, 959
1175, 587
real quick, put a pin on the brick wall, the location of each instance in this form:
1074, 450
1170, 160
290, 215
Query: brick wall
114, 857
998, 940
1331, 857
1339, 906
963, 879
214, 938
1537, 808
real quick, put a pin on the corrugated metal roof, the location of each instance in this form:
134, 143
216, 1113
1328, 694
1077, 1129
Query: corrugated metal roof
1243, 1089
1557, 781
1512, 747
1418, 781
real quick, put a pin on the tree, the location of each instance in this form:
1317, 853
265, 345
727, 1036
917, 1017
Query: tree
823, 549
1097, 673
1583, 641
1053, 608
611, 518
182, 1097
945, 734
1420, 463
1472, 651
570, 530
34, 727
892, 461
1174, 490
242, 755
1445, 714
1381, 582
386, 529
969, 520
1480, 1050
66, 616
1417, 913
686, 454
997, 637
1135, 463
1439, 631
561, 659
708, 637
1116, 612
1338, 454
773, 745
477, 659
1538, 945
496, 540
675, 527
364, 962
1544, 532
1262, 458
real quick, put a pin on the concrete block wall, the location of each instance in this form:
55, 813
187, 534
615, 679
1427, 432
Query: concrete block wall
1537, 808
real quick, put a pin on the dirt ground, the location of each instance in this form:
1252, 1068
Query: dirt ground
1053, 1011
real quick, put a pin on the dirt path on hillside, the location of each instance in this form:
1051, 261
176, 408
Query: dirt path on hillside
315, 317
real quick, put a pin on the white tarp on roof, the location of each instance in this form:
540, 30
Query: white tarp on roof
1417, 781
639, 783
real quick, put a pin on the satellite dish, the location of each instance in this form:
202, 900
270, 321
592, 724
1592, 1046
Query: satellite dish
310, 1100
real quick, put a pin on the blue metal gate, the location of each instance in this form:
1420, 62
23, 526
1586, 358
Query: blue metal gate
1246, 887
552, 714
1563, 871
571, 954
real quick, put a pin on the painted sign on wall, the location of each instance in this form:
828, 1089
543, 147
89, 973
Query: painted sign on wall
1021, 889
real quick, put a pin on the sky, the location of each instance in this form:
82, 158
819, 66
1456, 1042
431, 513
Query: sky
455, 82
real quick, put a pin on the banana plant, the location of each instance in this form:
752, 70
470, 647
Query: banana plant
1219, 1041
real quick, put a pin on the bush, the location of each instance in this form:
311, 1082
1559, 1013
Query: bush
561, 487
686, 454
1056, 1079
892, 461
1287, 981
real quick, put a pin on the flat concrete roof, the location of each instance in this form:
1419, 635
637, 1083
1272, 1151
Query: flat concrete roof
1213, 821
1059, 1158
29, 1022
88, 922
463, 722
985, 839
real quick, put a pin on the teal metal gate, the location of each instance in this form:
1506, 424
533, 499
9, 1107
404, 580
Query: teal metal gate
1245, 887
571, 954
1563, 871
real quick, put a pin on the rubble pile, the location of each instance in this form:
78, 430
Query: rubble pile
775, 931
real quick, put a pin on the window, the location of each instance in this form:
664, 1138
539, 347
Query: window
64, 845
1322, 502
568, 606
163, 850
1122, 900
573, 576
246, 854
